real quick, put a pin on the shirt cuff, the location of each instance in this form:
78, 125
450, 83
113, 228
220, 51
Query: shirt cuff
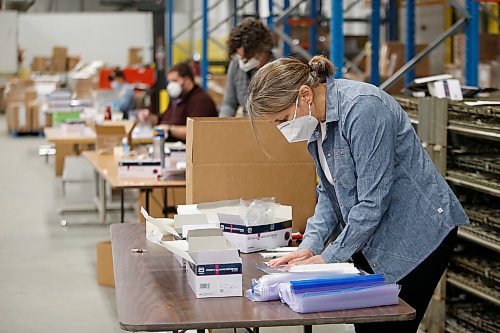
311, 244
332, 254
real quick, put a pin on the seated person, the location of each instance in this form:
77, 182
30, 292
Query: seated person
125, 101
250, 44
187, 99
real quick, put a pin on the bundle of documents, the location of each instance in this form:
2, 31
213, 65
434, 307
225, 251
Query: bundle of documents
266, 288
338, 293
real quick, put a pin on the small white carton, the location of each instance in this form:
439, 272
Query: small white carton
158, 229
214, 267
272, 232
146, 169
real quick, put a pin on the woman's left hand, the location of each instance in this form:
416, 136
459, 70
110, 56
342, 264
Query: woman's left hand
311, 261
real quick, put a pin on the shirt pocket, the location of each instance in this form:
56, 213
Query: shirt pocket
345, 171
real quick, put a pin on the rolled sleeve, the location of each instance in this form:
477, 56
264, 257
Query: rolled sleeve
230, 101
321, 225
369, 127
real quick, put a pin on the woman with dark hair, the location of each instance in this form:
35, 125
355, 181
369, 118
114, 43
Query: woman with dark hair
125, 100
379, 190
250, 45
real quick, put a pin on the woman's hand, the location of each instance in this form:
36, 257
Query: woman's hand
313, 260
293, 258
143, 115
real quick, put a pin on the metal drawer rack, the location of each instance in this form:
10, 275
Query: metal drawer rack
472, 170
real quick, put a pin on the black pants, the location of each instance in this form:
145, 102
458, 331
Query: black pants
416, 288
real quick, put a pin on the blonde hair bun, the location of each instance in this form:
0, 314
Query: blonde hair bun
321, 68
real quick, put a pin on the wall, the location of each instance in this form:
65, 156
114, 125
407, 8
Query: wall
8, 42
92, 36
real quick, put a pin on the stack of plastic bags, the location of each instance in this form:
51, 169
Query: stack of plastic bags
339, 288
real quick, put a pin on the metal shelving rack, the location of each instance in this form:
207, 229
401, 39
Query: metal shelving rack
436, 121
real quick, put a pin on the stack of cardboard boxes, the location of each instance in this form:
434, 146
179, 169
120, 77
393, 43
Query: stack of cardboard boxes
489, 60
22, 115
59, 62
135, 57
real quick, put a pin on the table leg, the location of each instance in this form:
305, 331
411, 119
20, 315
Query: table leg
147, 199
165, 202
122, 206
200, 331
255, 330
62, 150
308, 328
102, 212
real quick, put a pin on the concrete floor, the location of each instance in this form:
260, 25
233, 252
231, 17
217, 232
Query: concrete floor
47, 272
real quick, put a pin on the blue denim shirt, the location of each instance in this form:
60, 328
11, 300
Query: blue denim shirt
388, 199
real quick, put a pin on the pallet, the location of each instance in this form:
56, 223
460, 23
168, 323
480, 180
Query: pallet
17, 134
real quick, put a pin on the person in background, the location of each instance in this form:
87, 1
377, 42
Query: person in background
379, 190
250, 45
187, 99
125, 100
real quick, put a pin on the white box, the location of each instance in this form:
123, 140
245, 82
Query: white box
274, 232
150, 169
215, 280
213, 266
446, 89
255, 238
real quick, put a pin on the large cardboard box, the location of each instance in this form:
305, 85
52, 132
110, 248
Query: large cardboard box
59, 52
40, 64
489, 48
175, 196
18, 117
135, 56
58, 65
71, 62
225, 161
105, 272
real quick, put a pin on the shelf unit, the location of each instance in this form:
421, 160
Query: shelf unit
474, 172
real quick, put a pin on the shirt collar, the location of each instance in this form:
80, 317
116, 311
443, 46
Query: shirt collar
332, 110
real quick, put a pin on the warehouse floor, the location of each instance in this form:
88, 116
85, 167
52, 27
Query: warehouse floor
48, 272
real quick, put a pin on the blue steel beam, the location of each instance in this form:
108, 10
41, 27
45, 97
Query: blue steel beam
287, 30
337, 36
270, 20
204, 45
410, 39
313, 29
472, 43
170, 33
393, 17
235, 13
375, 42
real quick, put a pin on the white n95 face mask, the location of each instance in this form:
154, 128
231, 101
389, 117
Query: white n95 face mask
248, 65
174, 89
299, 129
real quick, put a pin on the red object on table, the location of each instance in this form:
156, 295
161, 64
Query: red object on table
133, 76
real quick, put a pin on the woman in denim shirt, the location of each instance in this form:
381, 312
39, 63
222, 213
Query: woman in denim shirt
379, 191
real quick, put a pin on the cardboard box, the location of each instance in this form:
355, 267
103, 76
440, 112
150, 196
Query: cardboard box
58, 65
83, 88
269, 231
71, 62
214, 267
217, 88
18, 117
40, 64
392, 58
225, 161
175, 196
59, 52
105, 271
37, 116
489, 48
135, 56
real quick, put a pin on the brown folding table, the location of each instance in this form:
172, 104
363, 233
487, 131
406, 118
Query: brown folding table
153, 295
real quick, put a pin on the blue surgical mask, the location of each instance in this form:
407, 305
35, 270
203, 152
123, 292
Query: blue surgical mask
116, 86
